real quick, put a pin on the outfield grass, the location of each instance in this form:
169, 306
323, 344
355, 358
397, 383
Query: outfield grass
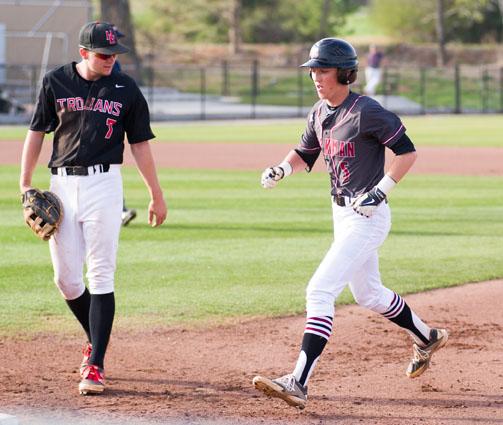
430, 130
231, 249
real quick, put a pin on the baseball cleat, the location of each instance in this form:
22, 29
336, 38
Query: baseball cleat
286, 388
422, 355
127, 216
86, 351
93, 380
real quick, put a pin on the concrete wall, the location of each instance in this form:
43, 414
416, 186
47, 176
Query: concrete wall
34, 27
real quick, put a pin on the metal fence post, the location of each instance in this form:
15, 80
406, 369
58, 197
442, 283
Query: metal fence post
457, 90
385, 81
33, 83
225, 78
385, 86
485, 90
256, 72
422, 89
254, 88
150, 76
300, 89
203, 93
501, 89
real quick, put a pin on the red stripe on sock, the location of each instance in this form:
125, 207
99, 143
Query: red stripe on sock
320, 319
321, 331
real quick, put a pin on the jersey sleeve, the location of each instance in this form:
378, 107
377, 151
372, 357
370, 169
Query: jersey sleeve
309, 147
381, 124
137, 120
44, 115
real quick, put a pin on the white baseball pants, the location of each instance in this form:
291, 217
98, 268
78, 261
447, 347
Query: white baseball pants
352, 259
89, 232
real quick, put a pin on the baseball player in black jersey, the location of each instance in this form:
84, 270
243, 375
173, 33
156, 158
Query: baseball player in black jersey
351, 131
90, 109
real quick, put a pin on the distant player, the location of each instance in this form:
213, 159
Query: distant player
90, 109
351, 132
373, 70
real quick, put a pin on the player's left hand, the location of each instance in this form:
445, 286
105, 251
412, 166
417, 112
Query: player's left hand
158, 209
43, 212
367, 203
271, 176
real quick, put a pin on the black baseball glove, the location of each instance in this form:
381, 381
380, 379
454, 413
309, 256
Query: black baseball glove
42, 211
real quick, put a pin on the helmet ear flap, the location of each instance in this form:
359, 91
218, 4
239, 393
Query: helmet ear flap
347, 76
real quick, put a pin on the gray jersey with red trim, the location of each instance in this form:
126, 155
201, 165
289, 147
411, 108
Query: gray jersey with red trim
352, 138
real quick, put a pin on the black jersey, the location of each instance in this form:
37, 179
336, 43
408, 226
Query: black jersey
90, 118
352, 139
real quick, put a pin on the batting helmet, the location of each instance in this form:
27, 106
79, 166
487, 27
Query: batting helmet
332, 53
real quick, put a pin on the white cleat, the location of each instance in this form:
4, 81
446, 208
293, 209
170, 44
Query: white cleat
286, 388
422, 355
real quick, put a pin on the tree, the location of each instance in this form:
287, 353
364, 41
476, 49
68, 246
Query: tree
325, 12
235, 27
440, 25
118, 12
500, 6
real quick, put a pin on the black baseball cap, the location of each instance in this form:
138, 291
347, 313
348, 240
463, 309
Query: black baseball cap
100, 37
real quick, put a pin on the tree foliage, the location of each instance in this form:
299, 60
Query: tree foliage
285, 21
190, 20
469, 21
261, 21
294, 21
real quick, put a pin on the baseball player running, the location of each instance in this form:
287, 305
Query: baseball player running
90, 110
351, 131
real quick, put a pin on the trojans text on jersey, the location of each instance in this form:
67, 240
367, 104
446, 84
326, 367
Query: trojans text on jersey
101, 105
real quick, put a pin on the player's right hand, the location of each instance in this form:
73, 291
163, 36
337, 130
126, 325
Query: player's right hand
271, 176
157, 211
367, 203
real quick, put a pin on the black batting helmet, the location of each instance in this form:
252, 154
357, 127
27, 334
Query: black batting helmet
332, 53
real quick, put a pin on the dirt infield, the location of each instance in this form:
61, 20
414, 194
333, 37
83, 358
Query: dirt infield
203, 376
242, 156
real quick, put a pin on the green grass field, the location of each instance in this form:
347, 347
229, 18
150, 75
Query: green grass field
231, 249
432, 130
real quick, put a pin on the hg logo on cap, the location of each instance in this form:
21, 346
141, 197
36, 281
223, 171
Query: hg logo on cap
110, 36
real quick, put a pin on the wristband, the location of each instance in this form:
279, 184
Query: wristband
287, 168
386, 184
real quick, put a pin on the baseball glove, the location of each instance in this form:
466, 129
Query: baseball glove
43, 212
